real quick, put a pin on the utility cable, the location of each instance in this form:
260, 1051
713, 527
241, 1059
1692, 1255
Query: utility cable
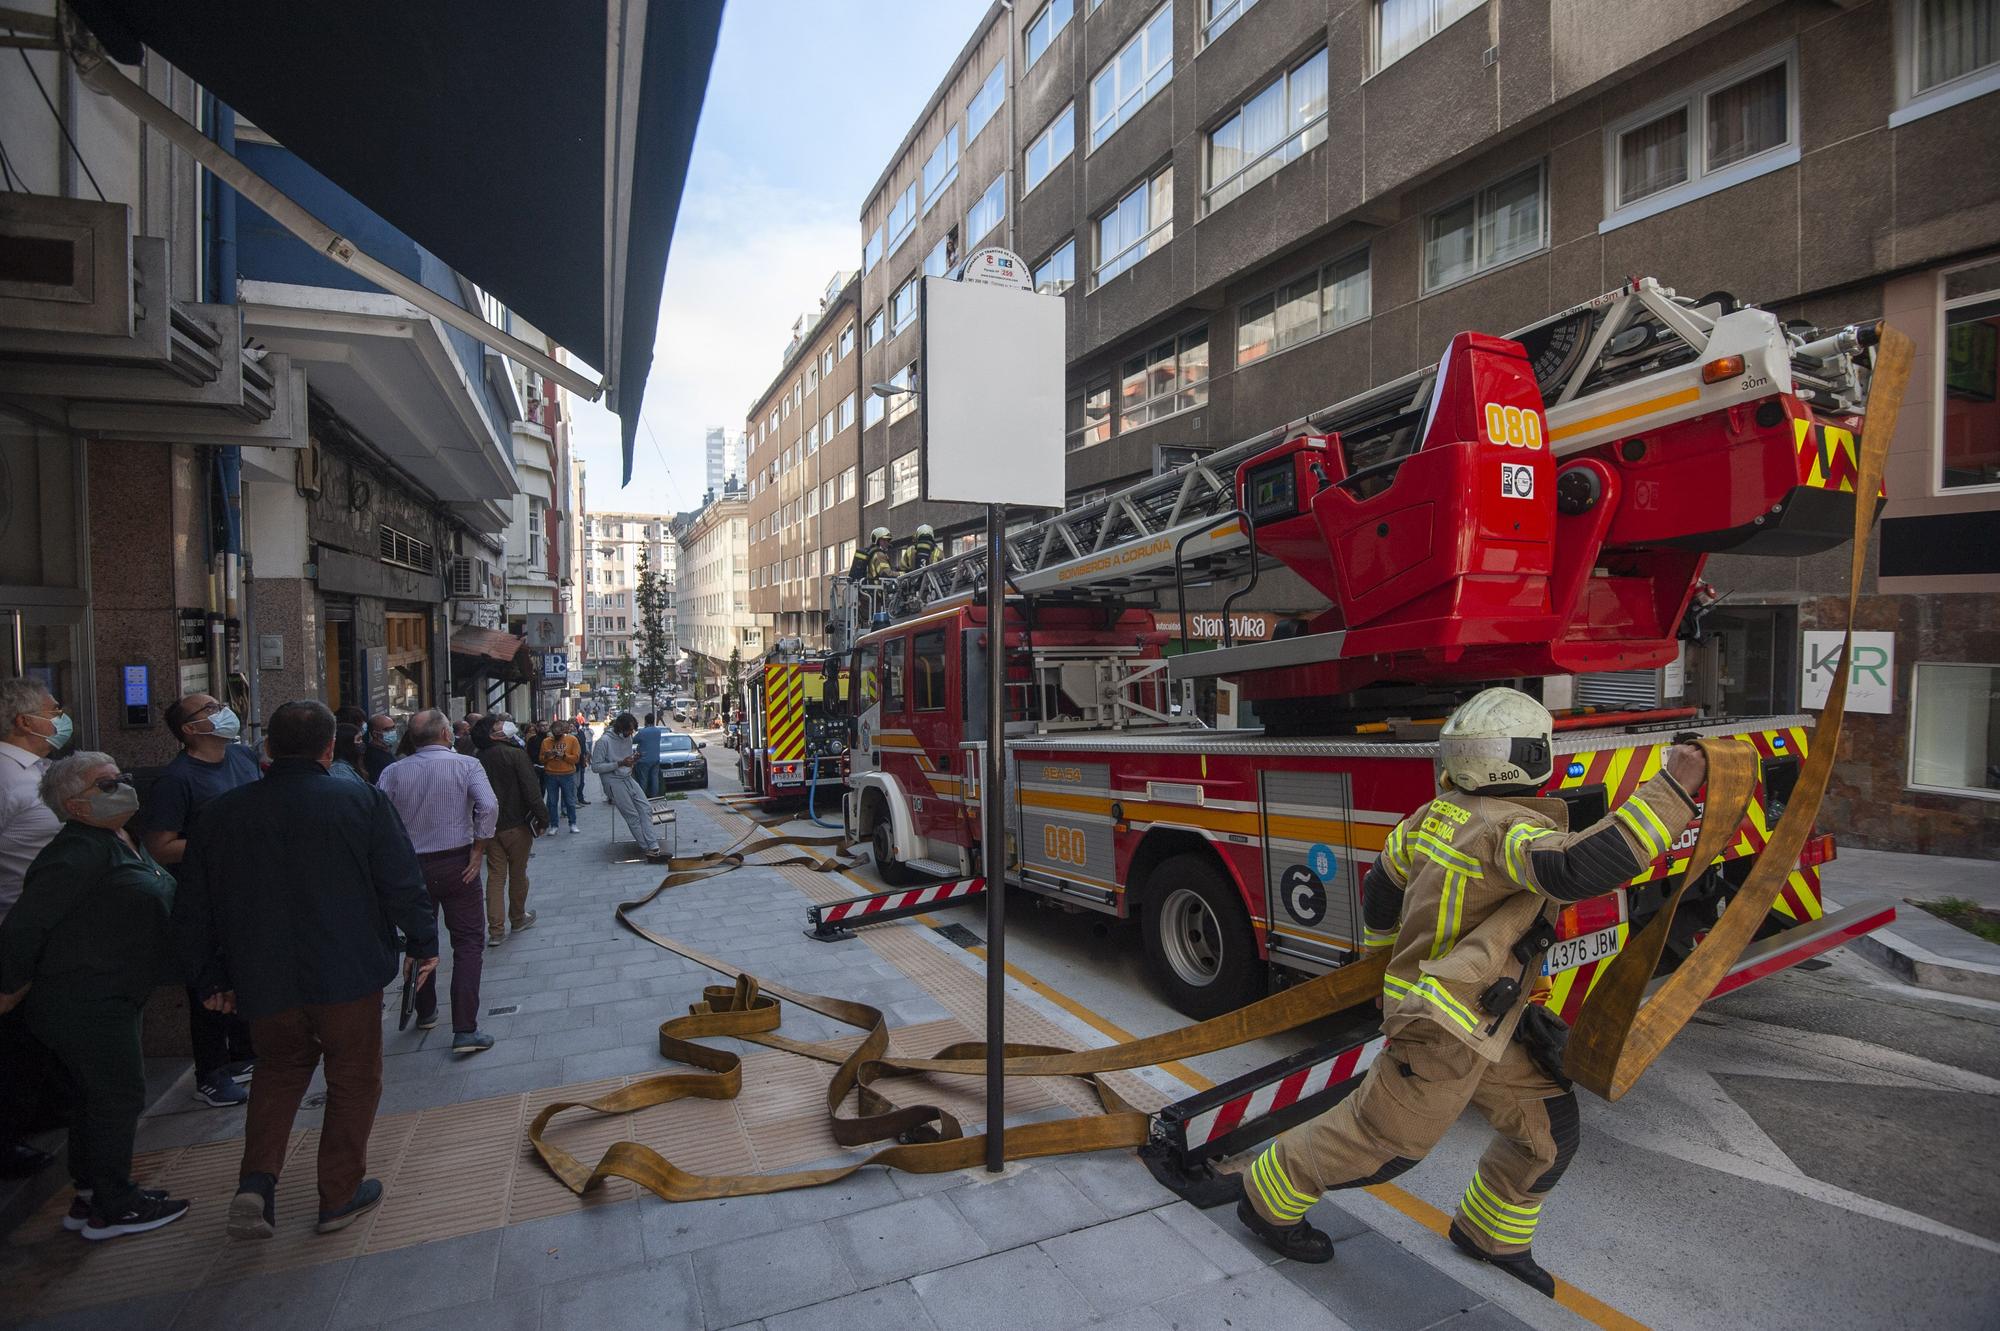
29, 65
7, 176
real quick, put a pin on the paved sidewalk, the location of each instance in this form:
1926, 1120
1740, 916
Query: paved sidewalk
1919, 947
474, 1231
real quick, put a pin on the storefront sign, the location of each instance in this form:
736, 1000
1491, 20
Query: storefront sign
375, 677
555, 665
1206, 625
1871, 676
545, 632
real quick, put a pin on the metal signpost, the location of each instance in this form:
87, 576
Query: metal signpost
992, 384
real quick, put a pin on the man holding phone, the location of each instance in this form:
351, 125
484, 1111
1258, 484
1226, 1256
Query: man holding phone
292, 896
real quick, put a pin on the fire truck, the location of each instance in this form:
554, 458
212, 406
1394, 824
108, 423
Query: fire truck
795, 735
1532, 506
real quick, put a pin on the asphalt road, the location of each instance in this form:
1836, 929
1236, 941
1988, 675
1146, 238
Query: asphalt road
1815, 1151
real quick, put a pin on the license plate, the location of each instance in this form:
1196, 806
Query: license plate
1568, 953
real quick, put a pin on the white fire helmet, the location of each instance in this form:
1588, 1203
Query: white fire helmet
1500, 741
879, 534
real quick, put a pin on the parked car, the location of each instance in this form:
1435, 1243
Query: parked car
681, 761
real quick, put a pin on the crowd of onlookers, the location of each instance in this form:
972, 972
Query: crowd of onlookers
283, 888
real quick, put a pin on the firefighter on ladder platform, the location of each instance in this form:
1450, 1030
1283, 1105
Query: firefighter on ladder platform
921, 550
1462, 896
869, 574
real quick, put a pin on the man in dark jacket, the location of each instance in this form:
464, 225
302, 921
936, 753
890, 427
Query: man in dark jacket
291, 895
522, 817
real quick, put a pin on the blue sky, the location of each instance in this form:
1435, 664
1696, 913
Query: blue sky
806, 103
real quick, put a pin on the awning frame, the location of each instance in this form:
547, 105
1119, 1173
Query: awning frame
98, 70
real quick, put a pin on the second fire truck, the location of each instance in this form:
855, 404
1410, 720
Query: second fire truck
1538, 505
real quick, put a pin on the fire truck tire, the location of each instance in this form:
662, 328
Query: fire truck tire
887, 867
1198, 939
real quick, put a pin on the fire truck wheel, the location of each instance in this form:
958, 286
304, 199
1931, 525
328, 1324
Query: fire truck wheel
1198, 939
887, 867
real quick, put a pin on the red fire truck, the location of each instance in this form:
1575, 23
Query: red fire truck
1534, 506
794, 741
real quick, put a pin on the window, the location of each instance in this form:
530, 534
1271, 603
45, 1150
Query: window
812, 502
811, 380
847, 341
986, 101
871, 251
1279, 124
878, 484
1222, 13
773, 423
826, 361
826, 427
811, 441
942, 168
938, 262
538, 549
903, 306
927, 671
1948, 51
1128, 82
874, 332
902, 217
846, 491
1955, 728
892, 675
988, 211
1050, 147
1319, 302
1171, 377
846, 554
1140, 223
1735, 126
1057, 273
847, 411
905, 401
871, 411
1969, 444
1096, 425
903, 479
1043, 27
1497, 225
1401, 26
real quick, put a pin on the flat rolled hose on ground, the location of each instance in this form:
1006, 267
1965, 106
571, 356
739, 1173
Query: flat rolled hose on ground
1619, 1032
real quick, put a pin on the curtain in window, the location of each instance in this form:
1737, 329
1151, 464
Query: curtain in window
1955, 37
1225, 158
1263, 129
1747, 118
1653, 157
1308, 96
1511, 222
1401, 26
1452, 252
1256, 330
1298, 311
1344, 297
1194, 370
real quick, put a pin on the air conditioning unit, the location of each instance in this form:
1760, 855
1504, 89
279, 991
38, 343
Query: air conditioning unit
471, 578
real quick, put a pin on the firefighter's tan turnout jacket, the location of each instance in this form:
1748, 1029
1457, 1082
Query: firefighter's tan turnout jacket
1461, 880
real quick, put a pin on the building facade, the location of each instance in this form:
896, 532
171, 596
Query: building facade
803, 487
1257, 208
539, 580
615, 546
716, 622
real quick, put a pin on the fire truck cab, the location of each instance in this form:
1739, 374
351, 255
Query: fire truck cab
795, 719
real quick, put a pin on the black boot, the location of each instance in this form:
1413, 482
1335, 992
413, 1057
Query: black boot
1520, 1265
1300, 1242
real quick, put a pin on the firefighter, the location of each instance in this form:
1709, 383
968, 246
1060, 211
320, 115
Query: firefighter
869, 574
921, 550
1461, 897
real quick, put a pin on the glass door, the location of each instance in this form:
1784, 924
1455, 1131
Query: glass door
46, 643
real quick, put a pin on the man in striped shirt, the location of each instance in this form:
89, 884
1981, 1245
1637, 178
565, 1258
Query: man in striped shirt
1455, 896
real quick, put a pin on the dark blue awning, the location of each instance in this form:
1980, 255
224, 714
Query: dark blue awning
539, 149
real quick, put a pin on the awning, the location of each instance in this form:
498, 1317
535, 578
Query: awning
470, 640
539, 149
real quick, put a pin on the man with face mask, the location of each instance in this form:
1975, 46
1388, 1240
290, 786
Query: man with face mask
79, 954
210, 763
33, 731
381, 750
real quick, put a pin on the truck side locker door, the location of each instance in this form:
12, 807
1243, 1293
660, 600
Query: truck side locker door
1312, 895
1065, 825
935, 783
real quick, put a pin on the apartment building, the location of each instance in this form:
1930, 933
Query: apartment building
716, 621
1257, 208
803, 488
613, 546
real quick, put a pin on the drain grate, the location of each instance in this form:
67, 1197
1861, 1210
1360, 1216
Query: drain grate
959, 934
507, 1011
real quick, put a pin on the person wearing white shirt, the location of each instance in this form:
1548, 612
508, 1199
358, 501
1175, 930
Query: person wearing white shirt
33, 728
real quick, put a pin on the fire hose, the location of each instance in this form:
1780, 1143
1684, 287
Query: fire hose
1618, 1034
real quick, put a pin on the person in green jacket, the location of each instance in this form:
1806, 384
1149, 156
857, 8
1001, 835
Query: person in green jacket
80, 952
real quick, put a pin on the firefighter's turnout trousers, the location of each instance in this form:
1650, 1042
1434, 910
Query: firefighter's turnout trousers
1458, 887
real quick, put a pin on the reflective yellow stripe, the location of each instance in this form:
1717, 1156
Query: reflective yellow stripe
1451, 913
1395, 988
1500, 1230
1680, 397
1265, 1174
1523, 1214
1652, 819
1445, 1003
1642, 833
1285, 1180
1397, 853
1377, 937
1519, 838
1448, 857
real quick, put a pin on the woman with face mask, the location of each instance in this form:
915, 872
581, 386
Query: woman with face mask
80, 952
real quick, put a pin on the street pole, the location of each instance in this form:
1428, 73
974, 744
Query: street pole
993, 850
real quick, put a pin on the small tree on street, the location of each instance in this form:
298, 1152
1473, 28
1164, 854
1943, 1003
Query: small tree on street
656, 649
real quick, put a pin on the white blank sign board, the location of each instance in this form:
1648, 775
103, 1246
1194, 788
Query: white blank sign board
992, 395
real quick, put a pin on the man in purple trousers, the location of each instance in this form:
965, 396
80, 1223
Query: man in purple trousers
449, 808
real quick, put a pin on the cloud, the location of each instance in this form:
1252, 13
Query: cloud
748, 258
